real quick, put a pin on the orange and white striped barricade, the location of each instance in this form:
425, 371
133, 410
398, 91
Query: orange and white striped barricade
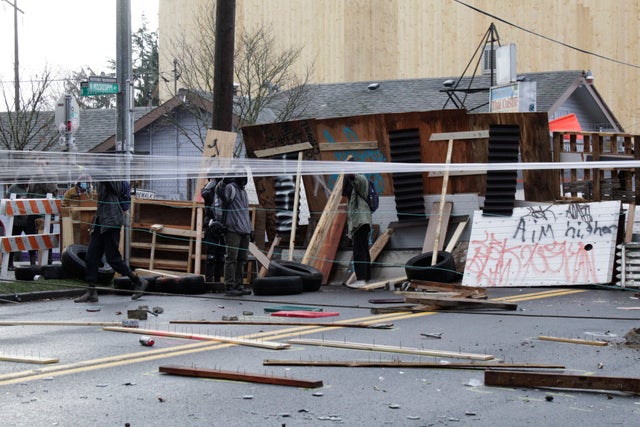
41, 242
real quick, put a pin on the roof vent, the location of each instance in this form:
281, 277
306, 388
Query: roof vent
373, 86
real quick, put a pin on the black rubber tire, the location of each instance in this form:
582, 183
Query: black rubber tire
278, 285
53, 272
27, 273
444, 271
311, 276
73, 261
187, 285
125, 284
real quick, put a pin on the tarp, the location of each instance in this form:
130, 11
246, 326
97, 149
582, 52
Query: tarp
569, 123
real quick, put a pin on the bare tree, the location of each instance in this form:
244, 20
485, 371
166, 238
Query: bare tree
263, 73
33, 127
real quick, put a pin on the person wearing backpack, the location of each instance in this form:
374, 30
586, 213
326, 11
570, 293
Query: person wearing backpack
356, 188
238, 232
104, 239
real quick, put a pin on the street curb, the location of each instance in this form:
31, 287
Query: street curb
40, 295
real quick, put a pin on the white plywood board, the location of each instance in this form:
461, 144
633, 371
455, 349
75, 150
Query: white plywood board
546, 245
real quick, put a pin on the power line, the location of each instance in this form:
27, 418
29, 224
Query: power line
587, 52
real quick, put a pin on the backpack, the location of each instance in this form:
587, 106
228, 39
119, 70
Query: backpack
124, 198
372, 199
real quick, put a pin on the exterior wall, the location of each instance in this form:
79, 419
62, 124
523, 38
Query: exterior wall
361, 40
161, 140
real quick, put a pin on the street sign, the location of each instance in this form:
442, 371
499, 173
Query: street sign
95, 88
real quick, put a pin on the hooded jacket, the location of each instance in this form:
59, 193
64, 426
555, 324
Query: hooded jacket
109, 214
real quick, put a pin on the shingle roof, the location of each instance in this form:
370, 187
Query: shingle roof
398, 96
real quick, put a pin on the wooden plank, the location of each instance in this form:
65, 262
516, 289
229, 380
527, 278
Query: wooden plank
292, 148
274, 243
163, 273
328, 248
267, 323
259, 256
328, 217
465, 291
539, 379
236, 376
392, 349
29, 359
375, 251
240, 341
631, 215
438, 217
459, 136
402, 364
461, 302
573, 341
296, 198
348, 146
456, 235
56, 323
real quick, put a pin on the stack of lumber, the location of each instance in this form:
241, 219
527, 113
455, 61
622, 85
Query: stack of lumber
429, 296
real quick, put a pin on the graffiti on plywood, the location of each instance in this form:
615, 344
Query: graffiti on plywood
554, 245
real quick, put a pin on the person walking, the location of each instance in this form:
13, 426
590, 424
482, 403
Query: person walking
213, 232
237, 221
104, 239
356, 188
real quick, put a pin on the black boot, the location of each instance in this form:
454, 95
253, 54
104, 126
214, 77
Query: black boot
90, 296
234, 291
138, 290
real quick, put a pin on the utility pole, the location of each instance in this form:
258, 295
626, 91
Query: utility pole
16, 64
223, 65
124, 100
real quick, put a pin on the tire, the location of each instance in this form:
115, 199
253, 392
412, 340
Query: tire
73, 261
187, 285
27, 273
444, 271
278, 285
311, 276
125, 284
53, 272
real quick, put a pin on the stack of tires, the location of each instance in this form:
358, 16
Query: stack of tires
288, 278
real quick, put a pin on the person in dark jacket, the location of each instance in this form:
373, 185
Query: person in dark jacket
104, 239
356, 188
213, 232
238, 234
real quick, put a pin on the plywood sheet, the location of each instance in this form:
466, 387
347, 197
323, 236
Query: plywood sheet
546, 245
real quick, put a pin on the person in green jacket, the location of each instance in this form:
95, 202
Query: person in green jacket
356, 188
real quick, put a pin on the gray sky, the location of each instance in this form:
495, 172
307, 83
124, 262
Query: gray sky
64, 34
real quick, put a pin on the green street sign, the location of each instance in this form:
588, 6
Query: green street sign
92, 88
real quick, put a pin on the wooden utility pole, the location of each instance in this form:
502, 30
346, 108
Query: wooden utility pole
223, 66
16, 62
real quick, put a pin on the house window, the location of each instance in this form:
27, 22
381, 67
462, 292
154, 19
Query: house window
488, 59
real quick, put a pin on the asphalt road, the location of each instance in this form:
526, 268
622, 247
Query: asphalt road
106, 378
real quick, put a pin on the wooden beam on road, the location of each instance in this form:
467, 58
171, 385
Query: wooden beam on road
239, 341
573, 341
401, 364
29, 359
268, 323
392, 349
539, 379
237, 376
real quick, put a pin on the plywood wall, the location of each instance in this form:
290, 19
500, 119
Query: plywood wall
363, 40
